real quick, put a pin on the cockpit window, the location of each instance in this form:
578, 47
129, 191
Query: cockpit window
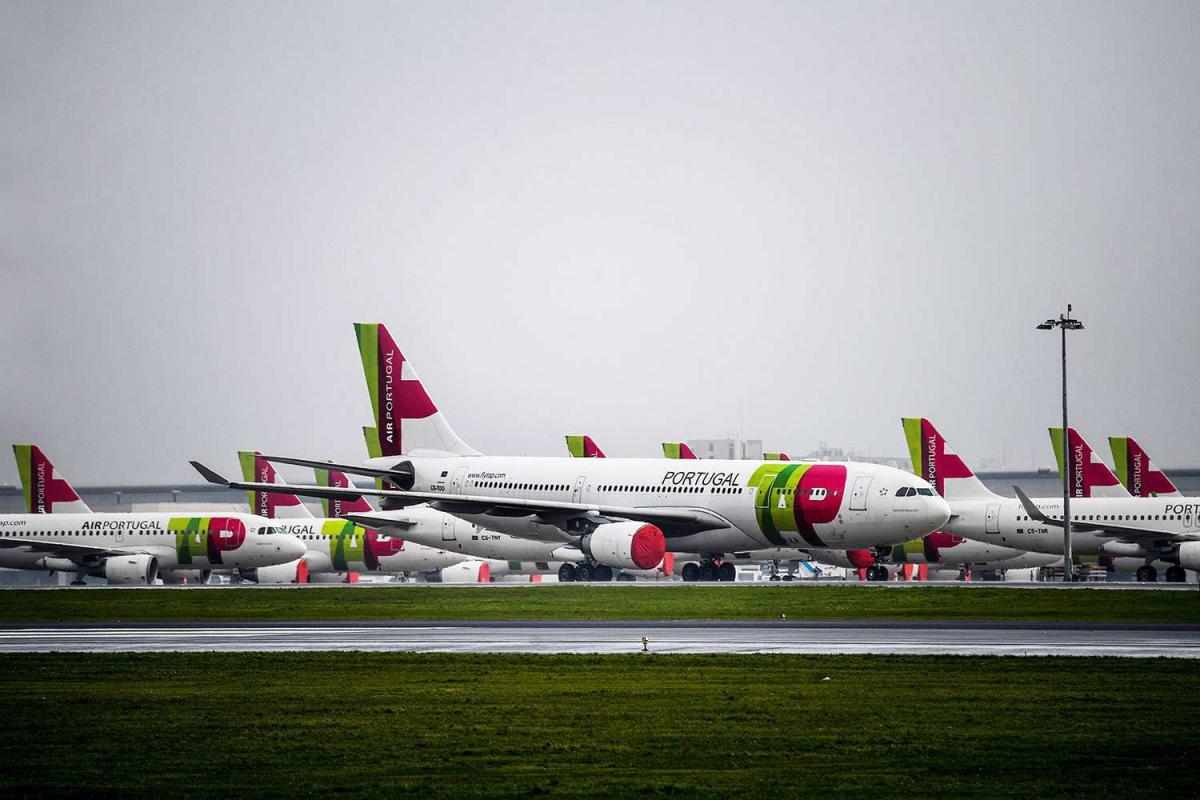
904, 491
925, 491
267, 531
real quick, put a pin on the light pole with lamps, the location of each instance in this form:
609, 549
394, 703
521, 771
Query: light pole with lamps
1065, 323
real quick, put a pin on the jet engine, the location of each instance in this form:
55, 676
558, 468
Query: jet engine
173, 577
137, 569
291, 572
626, 545
1189, 555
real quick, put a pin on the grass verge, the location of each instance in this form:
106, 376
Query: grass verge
574, 602
358, 724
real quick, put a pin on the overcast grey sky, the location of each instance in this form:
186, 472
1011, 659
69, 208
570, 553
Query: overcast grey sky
638, 221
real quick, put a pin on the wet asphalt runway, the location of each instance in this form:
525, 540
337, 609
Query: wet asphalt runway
908, 638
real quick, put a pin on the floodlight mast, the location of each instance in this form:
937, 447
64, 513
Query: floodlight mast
1065, 323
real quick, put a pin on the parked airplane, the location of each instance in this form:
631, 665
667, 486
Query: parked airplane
620, 512
335, 545
1137, 472
1167, 529
130, 548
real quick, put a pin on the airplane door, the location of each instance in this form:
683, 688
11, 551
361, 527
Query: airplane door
858, 495
762, 497
992, 521
577, 495
448, 528
456, 481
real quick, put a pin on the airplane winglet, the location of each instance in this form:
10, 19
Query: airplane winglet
1033, 511
208, 474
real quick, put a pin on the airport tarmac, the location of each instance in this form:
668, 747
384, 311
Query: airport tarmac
908, 638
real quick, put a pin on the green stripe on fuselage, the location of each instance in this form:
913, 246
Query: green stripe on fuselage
191, 538
775, 498
347, 542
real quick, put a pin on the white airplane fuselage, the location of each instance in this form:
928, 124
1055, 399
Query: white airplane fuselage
177, 541
763, 504
1003, 521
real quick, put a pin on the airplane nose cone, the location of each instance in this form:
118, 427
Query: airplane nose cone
937, 512
291, 546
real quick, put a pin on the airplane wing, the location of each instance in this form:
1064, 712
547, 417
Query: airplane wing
672, 521
63, 549
380, 523
1125, 533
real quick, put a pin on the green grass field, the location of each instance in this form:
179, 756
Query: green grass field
357, 725
599, 602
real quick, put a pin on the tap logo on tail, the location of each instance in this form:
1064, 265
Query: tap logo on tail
272, 505
46, 492
583, 447
1087, 475
406, 417
340, 507
1137, 472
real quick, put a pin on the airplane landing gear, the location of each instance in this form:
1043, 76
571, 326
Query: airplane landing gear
566, 573
773, 570
587, 571
877, 572
709, 570
1148, 574
1176, 574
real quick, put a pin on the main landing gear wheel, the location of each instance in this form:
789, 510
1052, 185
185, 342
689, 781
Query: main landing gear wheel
566, 573
585, 572
727, 572
691, 572
875, 572
1176, 574
1147, 574
707, 572
603, 573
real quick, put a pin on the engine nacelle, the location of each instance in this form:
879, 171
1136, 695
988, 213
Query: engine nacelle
132, 570
1189, 555
174, 577
626, 545
1128, 549
291, 572
470, 571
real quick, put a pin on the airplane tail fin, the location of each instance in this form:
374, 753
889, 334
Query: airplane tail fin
1088, 476
407, 418
934, 461
776, 457
272, 505
1137, 472
678, 450
339, 507
583, 447
46, 492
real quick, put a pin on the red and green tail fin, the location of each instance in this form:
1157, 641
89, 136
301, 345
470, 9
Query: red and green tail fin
1137, 472
583, 447
46, 492
678, 450
935, 462
340, 507
407, 418
272, 505
776, 457
1088, 475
